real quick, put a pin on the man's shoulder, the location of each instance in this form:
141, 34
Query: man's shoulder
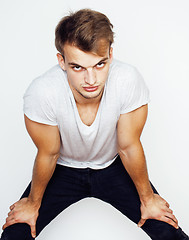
50, 83
50, 79
53, 75
120, 68
121, 72
120, 65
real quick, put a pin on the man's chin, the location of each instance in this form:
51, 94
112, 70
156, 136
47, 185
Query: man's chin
91, 95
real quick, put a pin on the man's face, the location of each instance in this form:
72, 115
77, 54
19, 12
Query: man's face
86, 72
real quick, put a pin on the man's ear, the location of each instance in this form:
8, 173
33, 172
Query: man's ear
111, 54
61, 61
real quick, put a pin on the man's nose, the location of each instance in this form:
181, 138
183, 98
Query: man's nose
90, 76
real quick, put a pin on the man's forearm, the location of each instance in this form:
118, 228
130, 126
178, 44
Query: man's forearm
133, 159
42, 172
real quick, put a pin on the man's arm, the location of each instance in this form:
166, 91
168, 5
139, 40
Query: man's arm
129, 129
47, 140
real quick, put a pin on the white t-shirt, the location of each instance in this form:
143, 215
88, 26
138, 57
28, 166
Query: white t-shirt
49, 100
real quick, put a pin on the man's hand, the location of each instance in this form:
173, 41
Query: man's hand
47, 141
157, 208
23, 211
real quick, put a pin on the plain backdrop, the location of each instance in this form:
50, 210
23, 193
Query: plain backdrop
151, 35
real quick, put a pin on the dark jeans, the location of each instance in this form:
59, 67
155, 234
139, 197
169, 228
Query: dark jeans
111, 184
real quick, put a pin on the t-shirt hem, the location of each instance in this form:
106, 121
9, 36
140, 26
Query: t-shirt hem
92, 165
135, 107
37, 119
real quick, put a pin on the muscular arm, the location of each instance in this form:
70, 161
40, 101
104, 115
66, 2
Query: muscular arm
47, 140
129, 129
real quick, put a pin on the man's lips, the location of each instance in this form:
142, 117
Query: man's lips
90, 89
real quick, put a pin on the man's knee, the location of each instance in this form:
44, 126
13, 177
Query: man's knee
160, 230
19, 231
171, 233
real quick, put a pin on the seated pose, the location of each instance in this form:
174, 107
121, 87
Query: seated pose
86, 115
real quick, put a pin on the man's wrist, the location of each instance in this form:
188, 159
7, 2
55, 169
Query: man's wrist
35, 202
145, 199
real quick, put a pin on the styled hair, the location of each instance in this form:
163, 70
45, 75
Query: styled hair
89, 30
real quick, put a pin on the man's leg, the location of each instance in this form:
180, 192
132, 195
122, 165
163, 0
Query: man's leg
114, 185
66, 187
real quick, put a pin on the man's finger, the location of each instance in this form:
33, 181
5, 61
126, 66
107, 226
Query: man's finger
9, 218
167, 204
10, 213
10, 222
169, 210
170, 221
171, 216
12, 207
33, 231
141, 222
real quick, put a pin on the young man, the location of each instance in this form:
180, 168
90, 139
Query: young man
85, 116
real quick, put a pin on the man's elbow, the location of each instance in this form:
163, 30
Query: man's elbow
55, 156
129, 150
51, 157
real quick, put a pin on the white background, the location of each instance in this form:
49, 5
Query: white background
151, 35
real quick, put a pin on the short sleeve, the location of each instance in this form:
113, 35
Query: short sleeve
135, 92
39, 103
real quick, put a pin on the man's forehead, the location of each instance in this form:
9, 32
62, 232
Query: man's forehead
73, 54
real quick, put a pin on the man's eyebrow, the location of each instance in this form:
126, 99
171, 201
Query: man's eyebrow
76, 64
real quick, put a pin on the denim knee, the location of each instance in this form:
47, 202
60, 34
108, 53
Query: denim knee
158, 230
181, 235
170, 233
166, 234
19, 231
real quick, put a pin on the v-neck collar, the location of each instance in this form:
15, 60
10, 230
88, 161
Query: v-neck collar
84, 126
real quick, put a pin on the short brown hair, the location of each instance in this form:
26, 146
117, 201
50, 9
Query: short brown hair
89, 30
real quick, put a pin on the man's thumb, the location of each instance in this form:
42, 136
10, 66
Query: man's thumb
33, 231
141, 222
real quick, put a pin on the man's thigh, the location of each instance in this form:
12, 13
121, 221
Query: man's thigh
114, 186
65, 188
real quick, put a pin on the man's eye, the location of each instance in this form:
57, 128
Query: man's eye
100, 65
77, 68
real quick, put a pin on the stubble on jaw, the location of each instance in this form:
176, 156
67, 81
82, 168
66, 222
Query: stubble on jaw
90, 97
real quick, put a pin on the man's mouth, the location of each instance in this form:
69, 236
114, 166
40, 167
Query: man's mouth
90, 89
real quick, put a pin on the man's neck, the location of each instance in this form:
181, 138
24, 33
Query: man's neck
80, 100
